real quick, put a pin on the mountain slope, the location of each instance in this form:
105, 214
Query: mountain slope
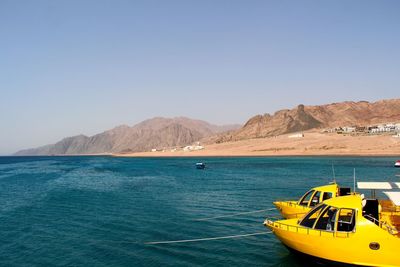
153, 133
304, 118
356, 113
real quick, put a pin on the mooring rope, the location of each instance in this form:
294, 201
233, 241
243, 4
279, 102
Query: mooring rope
232, 215
205, 239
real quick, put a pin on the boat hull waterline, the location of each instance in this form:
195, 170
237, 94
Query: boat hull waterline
346, 248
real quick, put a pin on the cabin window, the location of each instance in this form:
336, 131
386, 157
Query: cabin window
306, 198
346, 220
312, 216
315, 199
326, 195
327, 219
344, 191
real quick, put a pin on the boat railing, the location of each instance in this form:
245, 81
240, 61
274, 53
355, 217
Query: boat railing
372, 219
382, 224
306, 230
297, 215
286, 200
291, 203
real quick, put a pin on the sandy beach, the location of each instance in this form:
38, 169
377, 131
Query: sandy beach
312, 144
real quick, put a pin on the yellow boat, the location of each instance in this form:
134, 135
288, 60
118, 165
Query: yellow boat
297, 209
345, 230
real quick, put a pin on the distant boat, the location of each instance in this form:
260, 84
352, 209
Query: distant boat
397, 164
200, 165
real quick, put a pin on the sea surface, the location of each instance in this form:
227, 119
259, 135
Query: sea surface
101, 211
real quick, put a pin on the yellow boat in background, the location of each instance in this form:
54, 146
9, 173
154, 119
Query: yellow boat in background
297, 209
345, 230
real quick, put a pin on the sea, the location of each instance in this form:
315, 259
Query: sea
104, 211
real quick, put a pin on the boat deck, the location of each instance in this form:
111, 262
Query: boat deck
391, 214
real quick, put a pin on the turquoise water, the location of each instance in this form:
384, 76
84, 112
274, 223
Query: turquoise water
99, 211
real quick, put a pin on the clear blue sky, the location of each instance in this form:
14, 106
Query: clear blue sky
70, 67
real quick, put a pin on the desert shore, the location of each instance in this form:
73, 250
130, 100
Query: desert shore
312, 144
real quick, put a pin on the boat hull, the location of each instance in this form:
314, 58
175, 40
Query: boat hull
290, 209
318, 262
351, 249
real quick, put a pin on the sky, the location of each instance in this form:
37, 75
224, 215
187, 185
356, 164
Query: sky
70, 67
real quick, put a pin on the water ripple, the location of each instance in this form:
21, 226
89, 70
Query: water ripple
100, 211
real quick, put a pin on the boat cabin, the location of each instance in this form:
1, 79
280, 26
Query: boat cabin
330, 218
380, 211
319, 194
340, 214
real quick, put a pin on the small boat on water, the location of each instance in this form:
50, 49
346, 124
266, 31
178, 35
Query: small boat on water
397, 164
298, 208
200, 165
349, 230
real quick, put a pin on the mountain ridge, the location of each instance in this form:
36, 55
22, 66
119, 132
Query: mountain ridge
160, 133
303, 118
152, 133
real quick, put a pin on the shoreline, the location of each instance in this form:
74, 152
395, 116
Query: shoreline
139, 155
260, 156
313, 144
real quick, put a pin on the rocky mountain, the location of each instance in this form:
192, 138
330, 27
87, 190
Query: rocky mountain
156, 133
166, 133
304, 118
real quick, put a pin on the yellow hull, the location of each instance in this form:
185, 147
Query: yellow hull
290, 209
348, 248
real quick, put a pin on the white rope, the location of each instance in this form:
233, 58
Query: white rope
205, 239
232, 215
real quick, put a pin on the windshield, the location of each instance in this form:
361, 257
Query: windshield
327, 219
305, 200
312, 216
315, 199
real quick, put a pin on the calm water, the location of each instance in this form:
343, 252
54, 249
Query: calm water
99, 211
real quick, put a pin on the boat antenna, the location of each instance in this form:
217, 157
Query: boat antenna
354, 180
333, 171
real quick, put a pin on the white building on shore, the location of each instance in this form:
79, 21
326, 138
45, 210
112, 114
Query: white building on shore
193, 148
296, 135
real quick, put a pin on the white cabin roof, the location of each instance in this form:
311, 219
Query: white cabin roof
374, 185
394, 197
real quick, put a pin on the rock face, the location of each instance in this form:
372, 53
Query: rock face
356, 113
304, 118
156, 133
